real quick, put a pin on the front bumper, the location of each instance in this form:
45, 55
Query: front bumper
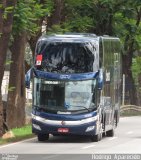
81, 127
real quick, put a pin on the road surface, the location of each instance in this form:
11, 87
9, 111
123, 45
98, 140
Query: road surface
127, 140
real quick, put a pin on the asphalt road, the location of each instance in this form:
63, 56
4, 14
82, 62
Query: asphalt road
127, 140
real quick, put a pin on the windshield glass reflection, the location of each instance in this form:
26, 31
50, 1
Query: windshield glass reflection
64, 96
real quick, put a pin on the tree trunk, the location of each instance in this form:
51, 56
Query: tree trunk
130, 89
33, 39
1, 76
5, 31
56, 17
16, 96
139, 89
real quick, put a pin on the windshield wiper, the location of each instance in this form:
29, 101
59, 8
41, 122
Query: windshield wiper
46, 109
88, 109
40, 108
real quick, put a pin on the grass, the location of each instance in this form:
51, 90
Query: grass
20, 134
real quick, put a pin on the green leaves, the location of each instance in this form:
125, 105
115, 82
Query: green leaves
136, 68
24, 17
1, 6
11, 89
28, 13
58, 29
81, 24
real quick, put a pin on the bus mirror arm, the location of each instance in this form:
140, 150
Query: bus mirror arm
100, 79
28, 77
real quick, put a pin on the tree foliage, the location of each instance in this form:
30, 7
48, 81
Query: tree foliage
136, 67
28, 12
116, 18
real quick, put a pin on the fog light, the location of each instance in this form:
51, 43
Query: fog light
90, 128
36, 126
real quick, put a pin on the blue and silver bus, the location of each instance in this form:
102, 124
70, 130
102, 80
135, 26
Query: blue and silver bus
76, 81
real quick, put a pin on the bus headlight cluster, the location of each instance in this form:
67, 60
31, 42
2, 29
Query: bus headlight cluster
36, 126
90, 128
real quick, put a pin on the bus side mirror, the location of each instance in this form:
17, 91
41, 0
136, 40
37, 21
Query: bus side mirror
100, 79
28, 77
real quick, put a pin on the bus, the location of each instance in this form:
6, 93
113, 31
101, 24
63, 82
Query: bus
76, 83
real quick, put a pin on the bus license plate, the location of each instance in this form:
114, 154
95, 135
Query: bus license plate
63, 130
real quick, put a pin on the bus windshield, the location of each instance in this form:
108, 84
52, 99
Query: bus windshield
65, 57
64, 95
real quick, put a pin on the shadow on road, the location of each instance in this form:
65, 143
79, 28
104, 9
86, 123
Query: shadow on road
66, 139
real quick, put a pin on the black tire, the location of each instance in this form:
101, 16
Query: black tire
95, 138
110, 133
103, 127
98, 137
43, 137
115, 121
103, 134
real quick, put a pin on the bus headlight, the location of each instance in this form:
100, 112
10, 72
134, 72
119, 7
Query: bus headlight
90, 128
36, 126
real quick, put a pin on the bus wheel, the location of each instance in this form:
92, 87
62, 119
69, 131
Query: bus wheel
98, 137
43, 137
115, 121
110, 133
95, 138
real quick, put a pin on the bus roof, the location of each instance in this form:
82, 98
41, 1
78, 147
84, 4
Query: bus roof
69, 38
74, 37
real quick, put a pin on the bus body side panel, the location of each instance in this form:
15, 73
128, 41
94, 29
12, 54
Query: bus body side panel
112, 80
